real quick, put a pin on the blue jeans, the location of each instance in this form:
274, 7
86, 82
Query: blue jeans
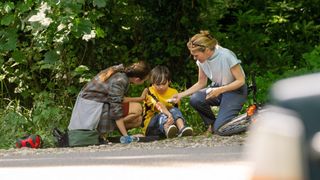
230, 104
156, 125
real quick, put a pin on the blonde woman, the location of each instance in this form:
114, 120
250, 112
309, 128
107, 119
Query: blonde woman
227, 90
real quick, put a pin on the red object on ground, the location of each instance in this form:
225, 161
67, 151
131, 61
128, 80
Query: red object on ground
32, 141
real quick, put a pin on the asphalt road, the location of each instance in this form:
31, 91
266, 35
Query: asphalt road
187, 163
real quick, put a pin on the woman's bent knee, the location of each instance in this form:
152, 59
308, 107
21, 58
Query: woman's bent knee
134, 123
195, 99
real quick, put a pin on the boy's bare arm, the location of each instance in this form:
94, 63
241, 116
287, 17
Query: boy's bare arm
136, 99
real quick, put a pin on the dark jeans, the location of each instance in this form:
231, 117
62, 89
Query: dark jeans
230, 104
156, 125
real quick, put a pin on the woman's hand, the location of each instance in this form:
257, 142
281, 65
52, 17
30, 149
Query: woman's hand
215, 92
176, 98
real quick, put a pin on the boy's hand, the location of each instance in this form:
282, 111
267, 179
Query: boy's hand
170, 120
159, 106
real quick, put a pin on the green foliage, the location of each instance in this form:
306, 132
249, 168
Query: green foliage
192, 117
13, 121
46, 115
313, 59
17, 121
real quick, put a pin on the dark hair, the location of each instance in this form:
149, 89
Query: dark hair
139, 69
160, 74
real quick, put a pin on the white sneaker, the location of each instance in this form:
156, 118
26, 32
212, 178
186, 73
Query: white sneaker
186, 131
172, 131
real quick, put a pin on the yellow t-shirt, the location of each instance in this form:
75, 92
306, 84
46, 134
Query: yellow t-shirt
149, 108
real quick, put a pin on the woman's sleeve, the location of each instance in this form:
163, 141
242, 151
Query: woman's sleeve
232, 59
118, 88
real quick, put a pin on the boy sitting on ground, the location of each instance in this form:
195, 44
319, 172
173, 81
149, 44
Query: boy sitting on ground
162, 117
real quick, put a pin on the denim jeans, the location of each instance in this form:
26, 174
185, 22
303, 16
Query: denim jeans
230, 104
156, 125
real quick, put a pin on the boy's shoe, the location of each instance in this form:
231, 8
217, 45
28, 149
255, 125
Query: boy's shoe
172, 131
186, 131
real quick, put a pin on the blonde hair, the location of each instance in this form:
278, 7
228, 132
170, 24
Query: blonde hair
139, 69
201, 41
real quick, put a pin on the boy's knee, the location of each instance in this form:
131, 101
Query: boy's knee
175, 110
134, 123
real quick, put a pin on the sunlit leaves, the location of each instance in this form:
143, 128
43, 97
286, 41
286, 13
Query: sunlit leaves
81, 27
99, 3
8, 40
51, 57
100, 32
81, 69
41, 16
89, 36
7, 19
24, 6
313, 59
278, 19
19, 56
8, 7
81, 72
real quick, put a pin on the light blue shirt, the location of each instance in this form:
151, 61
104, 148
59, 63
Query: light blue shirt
217, 67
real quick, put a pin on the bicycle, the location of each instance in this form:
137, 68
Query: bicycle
242, 122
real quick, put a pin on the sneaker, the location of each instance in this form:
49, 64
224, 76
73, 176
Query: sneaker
172, 131
186, 131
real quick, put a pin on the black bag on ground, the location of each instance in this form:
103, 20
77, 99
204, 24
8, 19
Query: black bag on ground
61, 138
76, 138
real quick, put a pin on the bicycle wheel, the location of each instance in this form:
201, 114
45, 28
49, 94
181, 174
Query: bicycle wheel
236, 125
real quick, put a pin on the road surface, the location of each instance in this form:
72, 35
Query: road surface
226, 162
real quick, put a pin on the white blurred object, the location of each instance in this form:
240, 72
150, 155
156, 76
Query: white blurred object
315, 146
41, 15
275, 146
172, 100
297, 87
209, 90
